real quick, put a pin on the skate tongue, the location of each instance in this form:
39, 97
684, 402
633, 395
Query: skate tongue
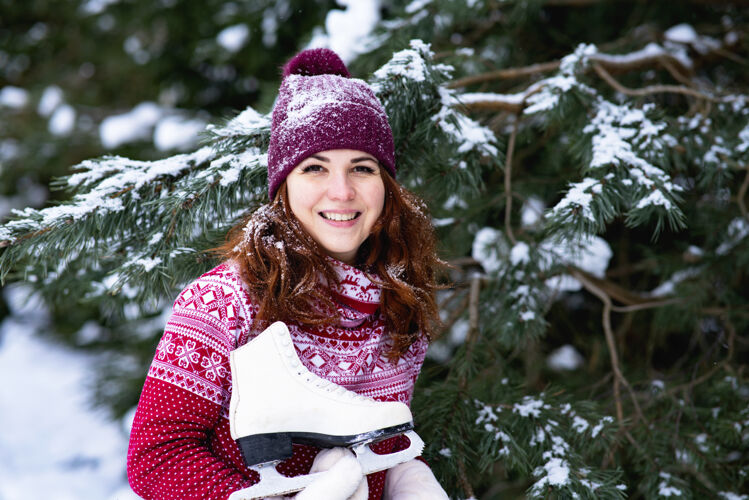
272, 483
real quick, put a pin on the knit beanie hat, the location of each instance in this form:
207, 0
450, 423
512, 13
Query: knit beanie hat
320, 107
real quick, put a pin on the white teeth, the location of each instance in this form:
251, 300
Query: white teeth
339, 217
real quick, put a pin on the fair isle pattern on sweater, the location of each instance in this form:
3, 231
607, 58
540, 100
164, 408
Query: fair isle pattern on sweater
180, 444
193, 353
209, 318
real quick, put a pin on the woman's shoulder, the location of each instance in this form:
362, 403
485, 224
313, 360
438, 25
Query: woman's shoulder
218, 292
225, 274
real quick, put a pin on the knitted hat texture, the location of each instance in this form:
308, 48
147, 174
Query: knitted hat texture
320, 107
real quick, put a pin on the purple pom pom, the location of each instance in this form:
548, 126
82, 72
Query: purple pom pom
313, 62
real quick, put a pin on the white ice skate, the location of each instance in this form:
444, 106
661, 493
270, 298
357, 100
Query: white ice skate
276, 401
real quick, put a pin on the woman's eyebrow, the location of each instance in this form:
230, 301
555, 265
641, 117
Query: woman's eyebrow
321, 158
363, 158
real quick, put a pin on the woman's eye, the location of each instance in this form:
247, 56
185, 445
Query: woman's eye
364, 169
312, 168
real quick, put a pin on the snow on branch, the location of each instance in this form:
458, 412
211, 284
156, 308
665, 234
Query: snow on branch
546, 95
578, 199
415, 64
736, 232
136, 228
650, 55
102, 184
248, 122
115, 174
467, 133
408, 63
619, 131
625, 146
413, 89
513, 103
554, 440
626, 138
672, 56
248, 130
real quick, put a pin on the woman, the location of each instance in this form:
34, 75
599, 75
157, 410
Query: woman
342, 254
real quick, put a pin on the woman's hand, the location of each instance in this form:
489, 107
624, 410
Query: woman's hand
412, 480
341, 478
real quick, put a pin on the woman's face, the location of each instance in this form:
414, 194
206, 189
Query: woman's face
337, 196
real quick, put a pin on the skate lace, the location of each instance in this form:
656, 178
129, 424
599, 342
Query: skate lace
309, 377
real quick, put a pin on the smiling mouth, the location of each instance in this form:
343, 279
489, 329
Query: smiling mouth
340, 217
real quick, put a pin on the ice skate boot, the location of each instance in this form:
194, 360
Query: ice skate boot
276, 401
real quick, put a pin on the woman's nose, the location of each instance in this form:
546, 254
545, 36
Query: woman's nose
340, 187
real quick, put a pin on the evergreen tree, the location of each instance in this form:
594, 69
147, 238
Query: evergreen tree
587, 166
103, 76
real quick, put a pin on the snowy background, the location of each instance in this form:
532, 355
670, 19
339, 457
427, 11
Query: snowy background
53, 443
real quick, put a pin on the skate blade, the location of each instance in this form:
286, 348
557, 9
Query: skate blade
272, 483
372, 462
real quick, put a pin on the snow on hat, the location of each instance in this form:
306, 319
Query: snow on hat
320, 107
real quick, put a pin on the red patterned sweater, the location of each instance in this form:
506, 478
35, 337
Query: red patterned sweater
180, 446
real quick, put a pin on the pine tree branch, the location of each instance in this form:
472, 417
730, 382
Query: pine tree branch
619, 378
186, 205
571, 3
633, 301
463, 477
737, 3
643, 453
630, 268
473, 332
505, 74
716, 311
508, 180
24, 237
612, 62
445, 302
647, 305
691, 469
455, 315
587, 3
715, 368
512, 103
473, 309
653, 89
484, 25
643, 58
473, 325
516, 103
675, 73
742, 194
123, 176
487, 101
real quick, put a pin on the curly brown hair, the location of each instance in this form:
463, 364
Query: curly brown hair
282, 266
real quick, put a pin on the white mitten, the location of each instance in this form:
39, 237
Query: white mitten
412, 480
344, 478
341, 478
